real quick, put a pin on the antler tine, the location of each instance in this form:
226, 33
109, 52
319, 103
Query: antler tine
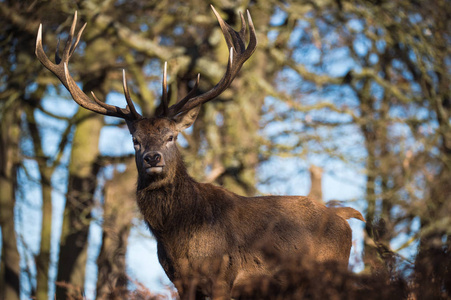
233, 38
252, 36
130, 104
243, 26
72, 49
60, 69
165, 89
41, 54
67, 47
238, 54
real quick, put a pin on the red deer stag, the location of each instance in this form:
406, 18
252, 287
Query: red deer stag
202, 228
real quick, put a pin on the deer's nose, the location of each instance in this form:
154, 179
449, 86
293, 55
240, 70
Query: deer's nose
153, 158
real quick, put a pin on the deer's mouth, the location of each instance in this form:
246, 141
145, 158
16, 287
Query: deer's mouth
154, 170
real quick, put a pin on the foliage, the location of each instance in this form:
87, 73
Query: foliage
356, 85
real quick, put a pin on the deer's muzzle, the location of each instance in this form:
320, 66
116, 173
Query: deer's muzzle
153, 162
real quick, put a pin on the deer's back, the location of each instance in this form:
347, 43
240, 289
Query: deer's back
293, 226
238, 237
283, 225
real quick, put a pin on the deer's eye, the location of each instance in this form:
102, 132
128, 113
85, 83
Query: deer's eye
170, 138
135, 144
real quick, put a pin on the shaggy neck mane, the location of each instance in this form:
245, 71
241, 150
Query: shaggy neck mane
165, 201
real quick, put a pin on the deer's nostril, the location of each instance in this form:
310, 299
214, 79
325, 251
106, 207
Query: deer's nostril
156, 157
153, 158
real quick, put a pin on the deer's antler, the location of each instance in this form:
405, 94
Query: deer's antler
60, 69
238, 54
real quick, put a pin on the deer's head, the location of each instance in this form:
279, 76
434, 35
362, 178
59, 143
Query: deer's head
154, 138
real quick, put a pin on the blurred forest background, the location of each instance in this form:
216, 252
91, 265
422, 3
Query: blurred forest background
361, 89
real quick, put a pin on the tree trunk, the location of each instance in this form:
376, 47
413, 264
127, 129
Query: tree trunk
119, 210
316, 191
79, 201
368, 129
43, 259
45, 171
9, 148
433, 261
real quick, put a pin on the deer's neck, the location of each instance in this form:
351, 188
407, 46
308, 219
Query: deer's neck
168, 202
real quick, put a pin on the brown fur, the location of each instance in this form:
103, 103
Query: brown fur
210, 240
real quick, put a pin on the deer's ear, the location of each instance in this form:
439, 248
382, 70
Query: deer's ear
186, 119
